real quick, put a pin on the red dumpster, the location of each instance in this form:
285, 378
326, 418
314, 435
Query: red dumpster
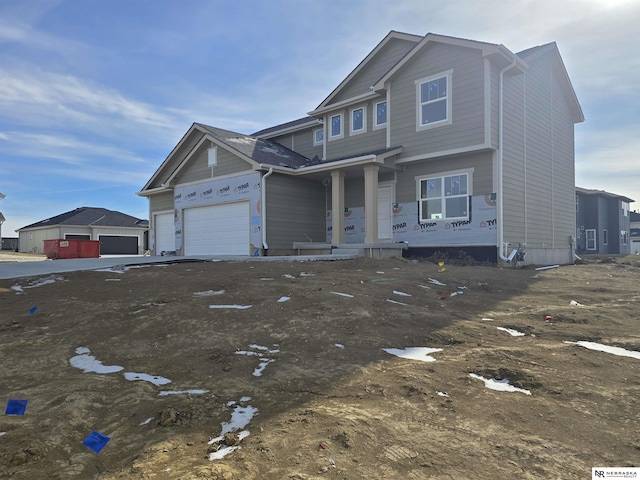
63, 248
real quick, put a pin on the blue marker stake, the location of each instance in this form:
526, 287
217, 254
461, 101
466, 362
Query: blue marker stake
16, 407
32, 310
96, 441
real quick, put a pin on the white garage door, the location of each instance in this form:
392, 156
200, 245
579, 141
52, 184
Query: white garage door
217, 229
164, 232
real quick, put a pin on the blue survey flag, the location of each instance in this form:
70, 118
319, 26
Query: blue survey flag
16, 407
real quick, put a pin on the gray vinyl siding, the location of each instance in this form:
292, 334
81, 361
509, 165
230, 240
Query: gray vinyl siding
353, 145
482, 164
390, 54
301, 142
178, 156
160, 202
294, 208
467, 93
495, 104
539, 171
197, 168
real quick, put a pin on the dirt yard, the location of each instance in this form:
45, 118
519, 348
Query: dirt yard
298, 365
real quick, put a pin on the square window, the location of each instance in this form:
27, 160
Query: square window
318, 136
444, 197
381, 114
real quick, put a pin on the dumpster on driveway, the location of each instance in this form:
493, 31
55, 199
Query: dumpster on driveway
71, 248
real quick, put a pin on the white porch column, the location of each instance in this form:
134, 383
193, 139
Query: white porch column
337, 206
371, 203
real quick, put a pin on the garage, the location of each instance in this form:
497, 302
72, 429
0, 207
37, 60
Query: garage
118, 245
217, 229
164, 230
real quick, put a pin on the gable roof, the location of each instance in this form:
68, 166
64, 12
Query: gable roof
288, 127
602, 193
91, 217
250, 148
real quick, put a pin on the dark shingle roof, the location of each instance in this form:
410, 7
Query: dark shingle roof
90, 216
259, 150
284, 126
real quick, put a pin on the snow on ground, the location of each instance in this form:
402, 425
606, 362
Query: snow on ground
510, 331
240, 418
414, 353
348, 295
155, 379
623, 352
499, 385
237, 307
261, 352
208, 293
89, 364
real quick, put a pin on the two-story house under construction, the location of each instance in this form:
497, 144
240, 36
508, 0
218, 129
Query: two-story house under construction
431, 141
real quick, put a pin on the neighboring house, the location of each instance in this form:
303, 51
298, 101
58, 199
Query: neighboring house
117, 232
635, 232
602, 222
9, 244
430, 142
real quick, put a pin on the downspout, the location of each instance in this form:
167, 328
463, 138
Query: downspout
263, 210
501, 246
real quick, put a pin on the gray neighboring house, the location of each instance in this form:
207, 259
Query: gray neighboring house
635, 232
430, 142
118, 233
603, 222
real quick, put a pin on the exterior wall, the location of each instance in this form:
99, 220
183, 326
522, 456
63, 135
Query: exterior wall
160, 202
73, 230
467, 96
482, 177
198, 169
32, 241
295, 212
180, 154
386, 58
538, 164
301, 142
355, 144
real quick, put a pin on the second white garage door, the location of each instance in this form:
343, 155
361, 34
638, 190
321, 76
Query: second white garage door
165, 233
217, 229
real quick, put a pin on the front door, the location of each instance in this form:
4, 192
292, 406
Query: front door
385, 218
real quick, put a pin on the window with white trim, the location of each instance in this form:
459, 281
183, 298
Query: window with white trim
625, 209
591, 238
433, 100
605, 237
212, 156
318, 136
358, 120
335, 127
381, 115
444, 197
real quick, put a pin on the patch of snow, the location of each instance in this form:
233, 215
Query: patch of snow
513, 333
17, 288
181, 392
225, 450
339, 345
2, 433
393, 301
343, 294
237, 307
437, 282
264, 349
284, 299
208, 293
622, 352
402, 294
240, 418
442, 394
245, 399
88, 363
147, 421
573, 303
424, 286
266, 279
381, 273
487, 319
111, 279
414, 353
262, 365
304, 274
499, 385
288, 275
155, 379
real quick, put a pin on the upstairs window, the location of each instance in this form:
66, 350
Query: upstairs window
444, 197
335, 131
381, 114
433, 100
358, 120
318, 136
625, 209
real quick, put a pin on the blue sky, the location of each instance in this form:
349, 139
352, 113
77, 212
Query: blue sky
94, 94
